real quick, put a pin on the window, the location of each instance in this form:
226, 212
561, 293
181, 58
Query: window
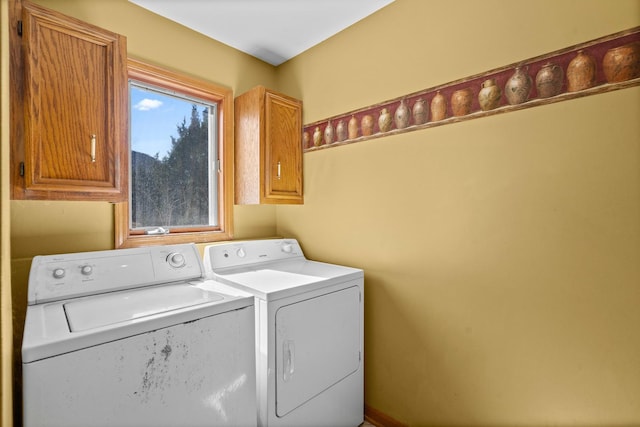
181, 160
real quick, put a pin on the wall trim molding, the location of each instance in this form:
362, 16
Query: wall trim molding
333, 131
380, 419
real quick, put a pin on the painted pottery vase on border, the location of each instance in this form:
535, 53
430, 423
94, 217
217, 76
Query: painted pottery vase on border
306, 142
367, 125
622, 63
317, 137
549, 80
420, 112
490, 95
438, 107
352, 128
581, 72
518, 87
384, 120
461, 101
328, 133
402, 115
341, 131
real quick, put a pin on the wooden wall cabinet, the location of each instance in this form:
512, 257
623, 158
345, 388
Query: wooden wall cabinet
268, 148
69, 109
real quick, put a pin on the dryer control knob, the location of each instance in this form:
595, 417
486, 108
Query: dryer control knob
176, 260
287, 247
241, 253
86, 270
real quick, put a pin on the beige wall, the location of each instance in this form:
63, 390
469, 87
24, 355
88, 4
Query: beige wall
6, 330
500, 253
502, 281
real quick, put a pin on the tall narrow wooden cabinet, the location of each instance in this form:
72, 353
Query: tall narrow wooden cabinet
268, 148
73, 95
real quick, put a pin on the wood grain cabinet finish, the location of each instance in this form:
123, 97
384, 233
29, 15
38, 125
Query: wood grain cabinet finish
74, 98
268, 148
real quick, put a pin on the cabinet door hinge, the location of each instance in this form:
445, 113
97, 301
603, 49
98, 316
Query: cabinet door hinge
21, 168
19, 28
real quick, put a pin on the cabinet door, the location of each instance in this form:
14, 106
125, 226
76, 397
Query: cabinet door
75, 108
283, 149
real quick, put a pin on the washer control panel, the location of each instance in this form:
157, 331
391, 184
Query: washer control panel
55, 277
238, 254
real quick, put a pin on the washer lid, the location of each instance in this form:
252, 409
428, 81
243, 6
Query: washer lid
108, 309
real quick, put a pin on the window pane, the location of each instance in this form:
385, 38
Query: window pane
172, 144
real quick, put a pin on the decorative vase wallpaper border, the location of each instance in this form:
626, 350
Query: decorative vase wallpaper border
602, 65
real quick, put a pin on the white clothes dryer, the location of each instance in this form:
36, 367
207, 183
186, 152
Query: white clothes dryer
136, 337
309, 331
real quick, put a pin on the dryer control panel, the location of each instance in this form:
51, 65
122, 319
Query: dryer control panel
238, 254
56, 277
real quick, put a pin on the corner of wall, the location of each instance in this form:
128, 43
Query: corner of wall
6, 330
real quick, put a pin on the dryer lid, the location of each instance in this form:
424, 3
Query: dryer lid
272, 281
107, 309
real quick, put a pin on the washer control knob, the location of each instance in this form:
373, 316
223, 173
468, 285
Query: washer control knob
287, 248
86, 270
58, 273
176, 260
241, 253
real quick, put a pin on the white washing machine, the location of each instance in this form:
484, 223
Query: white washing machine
136, 337
309, 331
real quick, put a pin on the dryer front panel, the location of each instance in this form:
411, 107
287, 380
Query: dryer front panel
317, 345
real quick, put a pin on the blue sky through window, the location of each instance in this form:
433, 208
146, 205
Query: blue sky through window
155, 118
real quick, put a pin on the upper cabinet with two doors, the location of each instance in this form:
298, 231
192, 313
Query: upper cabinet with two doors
69, 108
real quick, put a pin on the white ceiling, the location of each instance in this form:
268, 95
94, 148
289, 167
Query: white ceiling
271, 30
